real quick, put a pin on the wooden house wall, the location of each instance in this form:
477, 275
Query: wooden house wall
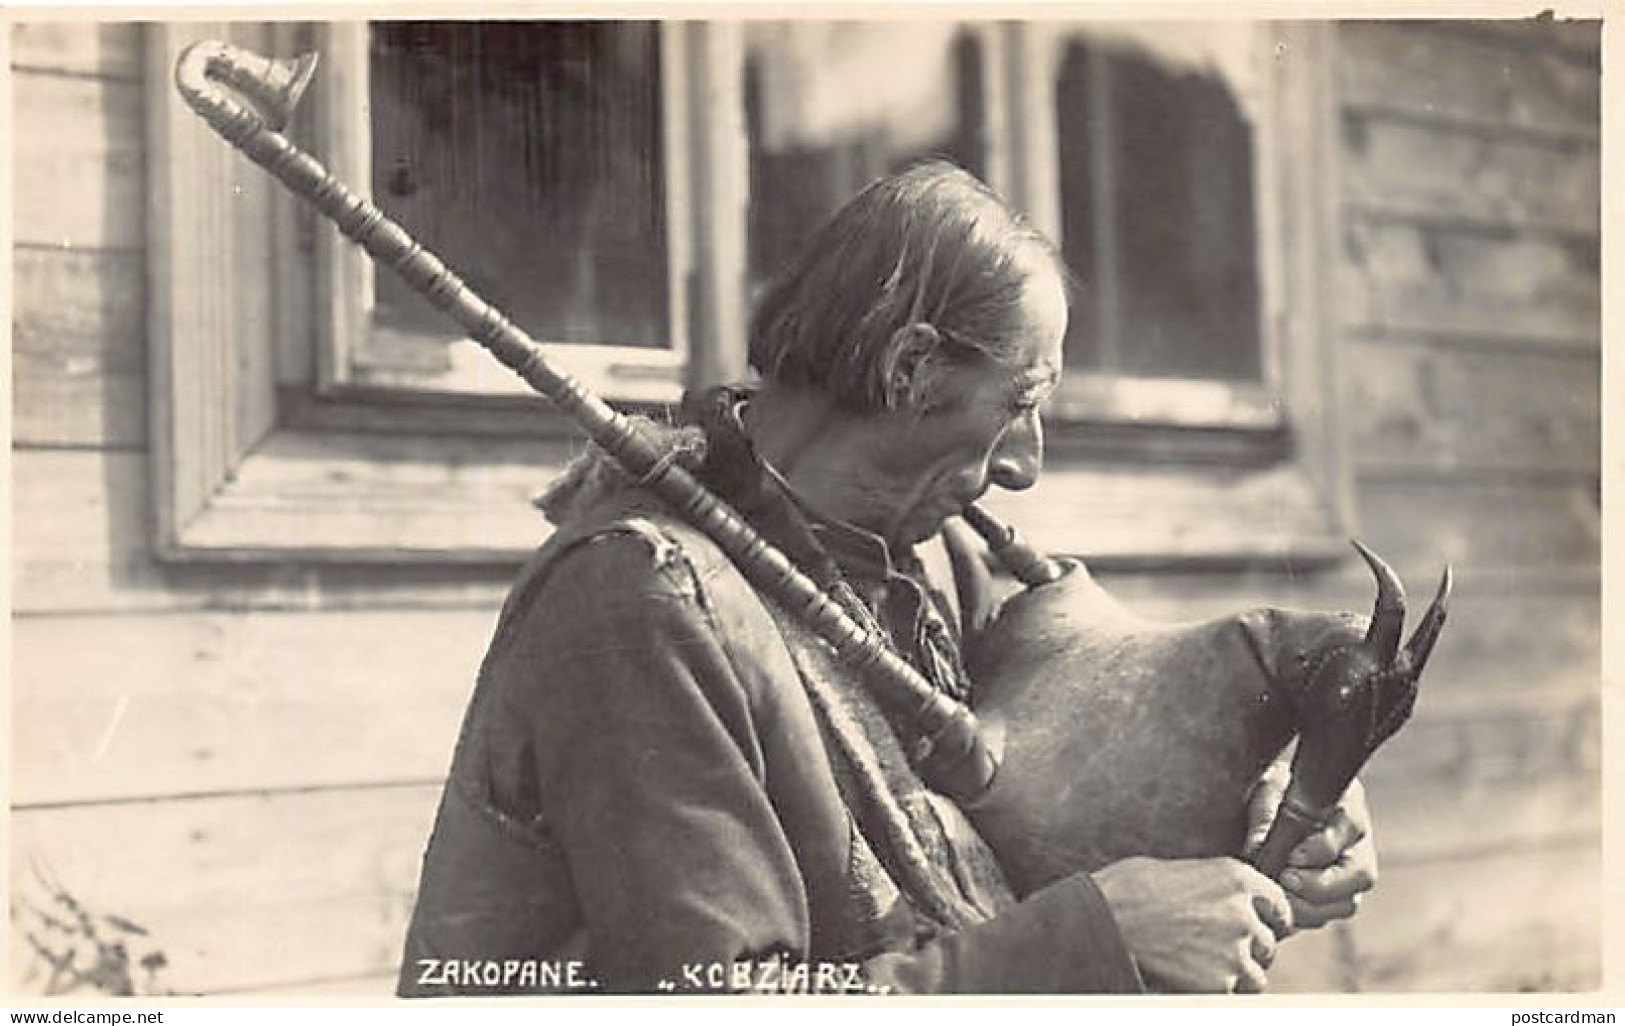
1470, 352
243, 760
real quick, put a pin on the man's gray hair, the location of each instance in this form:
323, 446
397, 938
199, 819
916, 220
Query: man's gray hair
928, 246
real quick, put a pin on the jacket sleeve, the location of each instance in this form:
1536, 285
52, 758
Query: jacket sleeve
652, 775
1059, 940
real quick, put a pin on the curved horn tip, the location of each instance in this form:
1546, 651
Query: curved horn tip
1388, 612
1447, 581
1420, 647
1390, 592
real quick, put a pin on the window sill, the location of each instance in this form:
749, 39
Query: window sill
1168, 402
361, 497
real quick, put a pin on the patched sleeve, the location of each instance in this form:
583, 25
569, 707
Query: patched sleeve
650, 770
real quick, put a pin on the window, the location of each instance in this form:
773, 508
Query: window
1152, 153
1187, 172
532, 158
1157, 214
623, 188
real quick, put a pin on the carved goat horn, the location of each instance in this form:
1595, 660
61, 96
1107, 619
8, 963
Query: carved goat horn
1388, 615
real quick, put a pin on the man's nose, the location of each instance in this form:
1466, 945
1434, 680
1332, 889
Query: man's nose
1020, 454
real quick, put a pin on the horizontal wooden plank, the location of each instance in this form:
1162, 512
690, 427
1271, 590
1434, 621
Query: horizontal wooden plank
162, 705
61, 586
78, 347
80, 304
83, 543
82, 514
109, 49
1513, 921
78, 409
237, 893
1414, 277
1442, 73
1449, 409
1504, 775
1511, 525
82, 186
1416, 172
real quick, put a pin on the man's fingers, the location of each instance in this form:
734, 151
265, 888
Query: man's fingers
1255, 835
1251, 979
1263, 946
1354, 874
1311, 917
1272, 906
1263, 803
1326, 845
1321, 896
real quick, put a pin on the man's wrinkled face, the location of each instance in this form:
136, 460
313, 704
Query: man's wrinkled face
984, 429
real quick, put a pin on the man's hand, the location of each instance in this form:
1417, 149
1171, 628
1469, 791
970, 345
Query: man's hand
1329, 870
1197, 925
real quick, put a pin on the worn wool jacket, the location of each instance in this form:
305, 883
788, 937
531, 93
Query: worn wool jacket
664, 783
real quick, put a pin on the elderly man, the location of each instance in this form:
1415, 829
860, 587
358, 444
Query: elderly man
666, 783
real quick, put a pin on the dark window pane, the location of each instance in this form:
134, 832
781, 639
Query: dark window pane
528, 156
1157, 218
1080, 95
832, 106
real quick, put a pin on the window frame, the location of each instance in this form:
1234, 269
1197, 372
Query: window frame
259, 454
262, 453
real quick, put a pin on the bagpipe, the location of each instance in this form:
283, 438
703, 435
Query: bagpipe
1095, 734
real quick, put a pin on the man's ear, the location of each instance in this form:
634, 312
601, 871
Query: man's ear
911, 366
